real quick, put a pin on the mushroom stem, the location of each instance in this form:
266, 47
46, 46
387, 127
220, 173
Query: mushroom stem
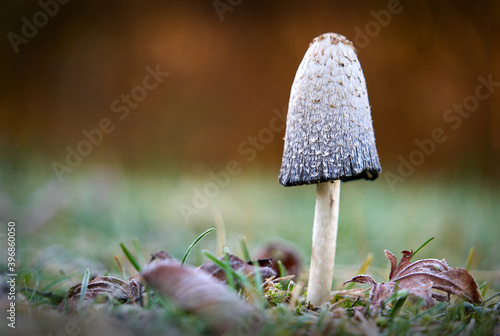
324, 241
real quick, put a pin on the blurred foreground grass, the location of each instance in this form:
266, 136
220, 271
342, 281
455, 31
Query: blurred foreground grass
78, 224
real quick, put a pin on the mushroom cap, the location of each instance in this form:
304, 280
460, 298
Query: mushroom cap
329, 132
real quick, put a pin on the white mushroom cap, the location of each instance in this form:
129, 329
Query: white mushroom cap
329, 131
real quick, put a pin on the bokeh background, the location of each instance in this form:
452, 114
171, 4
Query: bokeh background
231, 65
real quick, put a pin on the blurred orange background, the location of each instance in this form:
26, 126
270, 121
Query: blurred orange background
231, 64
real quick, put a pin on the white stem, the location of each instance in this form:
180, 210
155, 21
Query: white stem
324, 241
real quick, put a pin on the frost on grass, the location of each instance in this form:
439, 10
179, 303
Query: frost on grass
420, 278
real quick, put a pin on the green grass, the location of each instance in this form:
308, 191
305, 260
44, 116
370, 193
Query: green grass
65, 228
348, 314
106, 207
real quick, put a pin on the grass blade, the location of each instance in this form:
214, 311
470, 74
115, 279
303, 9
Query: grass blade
221, 228
55, 282
258, 278
138, 251
396, 309
251, 290
222, 265
83, 291
484, 288
362, 269
200, 237
439, 307
213, 259
282, 271
421, 246
131, 258
244, 249
398, 299
122, 270
470, 258
228, 269
491, 298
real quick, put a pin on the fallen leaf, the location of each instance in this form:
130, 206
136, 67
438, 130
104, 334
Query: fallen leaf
420, 278
200, 293
288, 255
247, 268
160, 256
103, 287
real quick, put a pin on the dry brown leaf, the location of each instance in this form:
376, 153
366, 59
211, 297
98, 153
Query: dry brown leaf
198, 292
420, 278
103, 287
247, 268
278, 250
160, 256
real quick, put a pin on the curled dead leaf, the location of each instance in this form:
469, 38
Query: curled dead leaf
420, 278
199, 293
247, 268
279, 250
103, 288
161, 256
